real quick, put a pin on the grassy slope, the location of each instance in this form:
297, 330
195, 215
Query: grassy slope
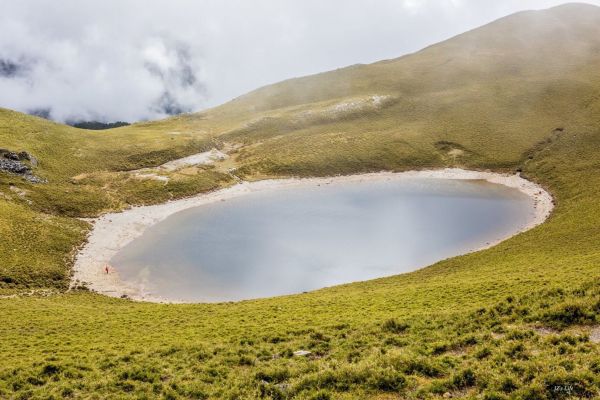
85, 174
467, 325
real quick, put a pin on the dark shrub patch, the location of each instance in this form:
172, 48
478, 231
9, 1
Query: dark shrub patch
517, 351
140, 375
493, 396
318, 336
340, 380
420, 366
35, 381
50, 369
393, 326
595, 367
483, 353
440, 348
519, 335
387, 381
321, 395
568, 339
464, 379
394, 341
170, 351
468, 341
569, 314
353, 356
245, 361
508, 385
273, 375
275, 339
126, 386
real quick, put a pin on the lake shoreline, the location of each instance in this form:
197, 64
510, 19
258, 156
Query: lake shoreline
111, 232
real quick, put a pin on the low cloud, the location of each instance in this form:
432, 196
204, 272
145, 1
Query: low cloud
177, 67
132, 60
11, 69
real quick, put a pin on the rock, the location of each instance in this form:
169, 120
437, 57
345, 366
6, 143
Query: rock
12, 162
302, 353
595, 334
447, 395
35, 179
11, 156
284, 387
14, 166
26, 156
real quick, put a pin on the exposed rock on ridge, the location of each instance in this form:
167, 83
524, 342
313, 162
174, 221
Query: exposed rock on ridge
20, 164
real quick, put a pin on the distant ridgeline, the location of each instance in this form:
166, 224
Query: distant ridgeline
96, 125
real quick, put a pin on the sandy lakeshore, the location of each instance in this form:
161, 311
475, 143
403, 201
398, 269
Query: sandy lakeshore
112, 232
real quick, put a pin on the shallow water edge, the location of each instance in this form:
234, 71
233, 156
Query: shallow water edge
112, 232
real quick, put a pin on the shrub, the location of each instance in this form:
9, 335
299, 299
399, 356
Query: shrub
395, 341
51, 369
508, 385
387, 381
67, 392
440, 348
483, 353
420, 366
393, 326
519, 335
321, 395
125, 386
274, 375
245, 361
320, 337
148, 375
569, 314
468, 341
464, 379
595, 367
517, 351
493, 396
568, 339
342, 379
596, 307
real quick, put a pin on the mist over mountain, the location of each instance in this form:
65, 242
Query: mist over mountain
131, 61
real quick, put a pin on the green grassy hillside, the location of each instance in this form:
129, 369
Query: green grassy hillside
517, 321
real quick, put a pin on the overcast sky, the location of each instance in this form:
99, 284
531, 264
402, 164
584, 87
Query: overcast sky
129, 60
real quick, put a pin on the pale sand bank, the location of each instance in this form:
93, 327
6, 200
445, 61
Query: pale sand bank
112, 232
208, 157
205, 158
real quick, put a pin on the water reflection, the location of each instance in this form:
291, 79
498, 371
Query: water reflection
293, 240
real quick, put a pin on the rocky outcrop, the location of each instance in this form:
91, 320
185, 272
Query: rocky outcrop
19, 164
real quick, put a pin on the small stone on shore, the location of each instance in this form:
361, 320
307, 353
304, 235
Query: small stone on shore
302, 353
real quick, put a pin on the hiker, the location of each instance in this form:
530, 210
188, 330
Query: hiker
106, 268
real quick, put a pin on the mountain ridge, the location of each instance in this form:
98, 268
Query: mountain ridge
556, 13
515, 321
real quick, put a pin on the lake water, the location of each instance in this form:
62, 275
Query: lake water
291, 240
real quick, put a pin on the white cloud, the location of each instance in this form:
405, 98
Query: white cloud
135, 59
